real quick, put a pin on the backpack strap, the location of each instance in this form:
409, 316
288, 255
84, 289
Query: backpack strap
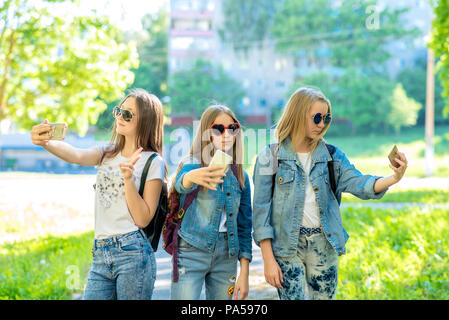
330, 167
143, 178
274, 148
187, 202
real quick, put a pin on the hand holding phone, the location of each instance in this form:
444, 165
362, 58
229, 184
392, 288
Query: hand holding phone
220, 159
392, 155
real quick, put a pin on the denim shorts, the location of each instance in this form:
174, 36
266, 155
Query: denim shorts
196, 267
123, 268
314, 266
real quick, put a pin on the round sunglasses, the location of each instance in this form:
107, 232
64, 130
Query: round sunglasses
126, 114
325, 117
219, 129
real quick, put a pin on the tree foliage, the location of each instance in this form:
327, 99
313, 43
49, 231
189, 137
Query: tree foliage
440, 44
59, 64
246, 23
194, 89
404, 110
342, 48
152, 72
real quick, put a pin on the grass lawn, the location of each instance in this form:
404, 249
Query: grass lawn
429, 196
395, 254
45, 268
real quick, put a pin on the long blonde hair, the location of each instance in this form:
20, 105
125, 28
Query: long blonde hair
203, 140
293, 122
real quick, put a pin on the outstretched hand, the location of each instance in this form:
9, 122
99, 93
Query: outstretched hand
400, 171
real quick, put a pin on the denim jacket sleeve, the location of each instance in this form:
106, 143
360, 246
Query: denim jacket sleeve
244, 222
353, 181
185, 169
262, 202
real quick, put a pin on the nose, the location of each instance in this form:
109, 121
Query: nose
321, 125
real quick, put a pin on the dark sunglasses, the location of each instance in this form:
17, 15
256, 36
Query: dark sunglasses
219, 129
325, 117
126, 114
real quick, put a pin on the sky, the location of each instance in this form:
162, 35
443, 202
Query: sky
126, 14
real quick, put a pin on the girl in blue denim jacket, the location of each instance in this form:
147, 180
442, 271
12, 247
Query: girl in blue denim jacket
123, 264
216, 228
297, 221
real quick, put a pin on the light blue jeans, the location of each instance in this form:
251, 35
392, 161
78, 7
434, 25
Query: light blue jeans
123, 268
216, 270
315, 265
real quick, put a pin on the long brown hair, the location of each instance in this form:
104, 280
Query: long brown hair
150, 127
202, 143
293, 121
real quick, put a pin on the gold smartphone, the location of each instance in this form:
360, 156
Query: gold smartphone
58, 131
220, 159
392, 155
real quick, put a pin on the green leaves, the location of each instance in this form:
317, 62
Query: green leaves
440, 44
404, 110
64, 66
194, 89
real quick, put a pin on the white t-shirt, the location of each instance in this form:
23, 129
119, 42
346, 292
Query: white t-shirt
311, 217
112, 216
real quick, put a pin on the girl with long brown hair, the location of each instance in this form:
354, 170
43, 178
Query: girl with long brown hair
123, 266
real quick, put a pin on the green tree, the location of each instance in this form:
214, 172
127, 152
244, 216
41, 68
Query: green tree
357, 98
343, 46
58, 64
194, 89
152, 73
254, 18
342, 34
404, 110
439, 43
413, 79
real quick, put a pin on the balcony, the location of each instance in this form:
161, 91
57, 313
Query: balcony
192, 14
191, 33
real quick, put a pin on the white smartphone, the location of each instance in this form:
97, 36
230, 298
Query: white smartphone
57, 131
220, 159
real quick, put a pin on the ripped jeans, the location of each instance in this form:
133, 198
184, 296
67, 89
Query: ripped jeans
196, 267
315, 265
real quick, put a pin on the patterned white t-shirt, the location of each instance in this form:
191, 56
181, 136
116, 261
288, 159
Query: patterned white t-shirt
112, 216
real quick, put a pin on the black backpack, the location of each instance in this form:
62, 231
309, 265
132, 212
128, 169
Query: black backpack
154, 228
330, 167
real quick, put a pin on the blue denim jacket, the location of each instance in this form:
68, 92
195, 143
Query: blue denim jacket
279, 217
201, 221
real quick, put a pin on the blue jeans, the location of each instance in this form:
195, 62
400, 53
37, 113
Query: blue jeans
195, 266
315, 265
123, 268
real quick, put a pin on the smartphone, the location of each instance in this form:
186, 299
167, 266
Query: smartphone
57, 131
220, 159
392, 155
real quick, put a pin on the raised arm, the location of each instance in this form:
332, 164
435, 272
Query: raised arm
63, 150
